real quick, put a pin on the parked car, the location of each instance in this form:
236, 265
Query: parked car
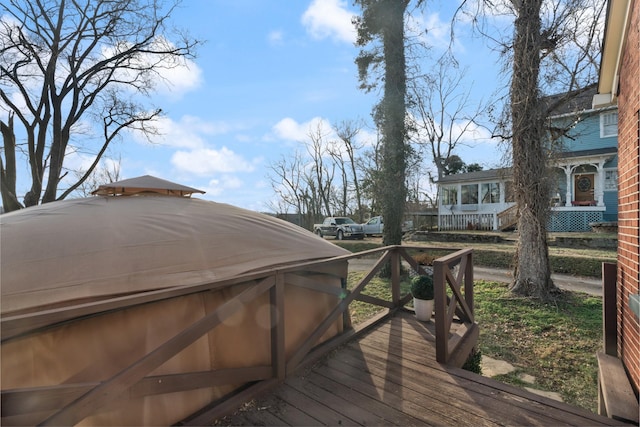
341, 227
375, 226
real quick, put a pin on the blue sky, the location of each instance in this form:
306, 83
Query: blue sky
269, 70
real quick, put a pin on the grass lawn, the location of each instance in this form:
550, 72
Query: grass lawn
556, 343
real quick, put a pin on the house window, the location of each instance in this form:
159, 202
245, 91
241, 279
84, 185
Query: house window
611, 180
469, 194
449, 196
490, 193
608, 124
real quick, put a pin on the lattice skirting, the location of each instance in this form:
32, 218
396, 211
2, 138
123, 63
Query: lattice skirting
573, 221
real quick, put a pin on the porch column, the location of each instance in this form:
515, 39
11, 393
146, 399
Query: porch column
568, 169
598, 191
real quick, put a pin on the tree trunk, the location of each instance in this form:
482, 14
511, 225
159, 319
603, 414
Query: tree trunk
393, 123
532, 274
8, 173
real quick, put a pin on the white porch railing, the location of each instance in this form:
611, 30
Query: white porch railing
561, 219
470, 221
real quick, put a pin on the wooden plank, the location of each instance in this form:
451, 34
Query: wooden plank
387, 382
458, 397
312, 407
112, 388
290, 414
49, 398
394, 367
344, 407
37, 399
559, 412
389, 413
620, 402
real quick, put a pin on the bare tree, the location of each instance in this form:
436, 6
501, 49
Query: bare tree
287, 183
369, 167
348, 147
108, 171
322, 171
69, 65
442, 112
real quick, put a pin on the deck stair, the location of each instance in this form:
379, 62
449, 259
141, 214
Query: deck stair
508, 218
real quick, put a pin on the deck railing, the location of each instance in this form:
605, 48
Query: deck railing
71, 403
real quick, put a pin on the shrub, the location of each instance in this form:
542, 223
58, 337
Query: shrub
422, 287
474, 362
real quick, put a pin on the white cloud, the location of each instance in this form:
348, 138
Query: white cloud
473, 134
217, 186
184, 77
329, 19
175, 75
209, 161
188, 132
290, 130
366, 138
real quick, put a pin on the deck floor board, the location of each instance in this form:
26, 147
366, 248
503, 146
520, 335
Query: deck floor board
389, 376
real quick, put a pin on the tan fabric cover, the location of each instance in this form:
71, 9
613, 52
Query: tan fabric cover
102, 246
105, 246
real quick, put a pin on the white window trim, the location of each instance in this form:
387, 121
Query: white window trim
606, 184
603, 125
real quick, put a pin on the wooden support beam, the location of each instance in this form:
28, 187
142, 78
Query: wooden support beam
609, 308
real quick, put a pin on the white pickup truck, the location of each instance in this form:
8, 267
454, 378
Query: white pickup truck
375, 226
341, 227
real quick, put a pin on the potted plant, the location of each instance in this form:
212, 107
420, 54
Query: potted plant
422, 291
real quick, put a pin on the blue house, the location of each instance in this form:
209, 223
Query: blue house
585, 176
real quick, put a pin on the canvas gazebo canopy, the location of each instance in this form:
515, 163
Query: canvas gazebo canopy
142, 236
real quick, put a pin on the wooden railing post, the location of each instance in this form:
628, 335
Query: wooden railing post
395, 277
468, 285
440, 305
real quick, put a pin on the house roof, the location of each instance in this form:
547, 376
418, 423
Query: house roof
570, 102
483, 175
588, 153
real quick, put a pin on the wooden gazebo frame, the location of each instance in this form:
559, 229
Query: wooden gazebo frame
68, 404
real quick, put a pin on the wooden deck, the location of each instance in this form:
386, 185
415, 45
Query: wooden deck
389, 376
